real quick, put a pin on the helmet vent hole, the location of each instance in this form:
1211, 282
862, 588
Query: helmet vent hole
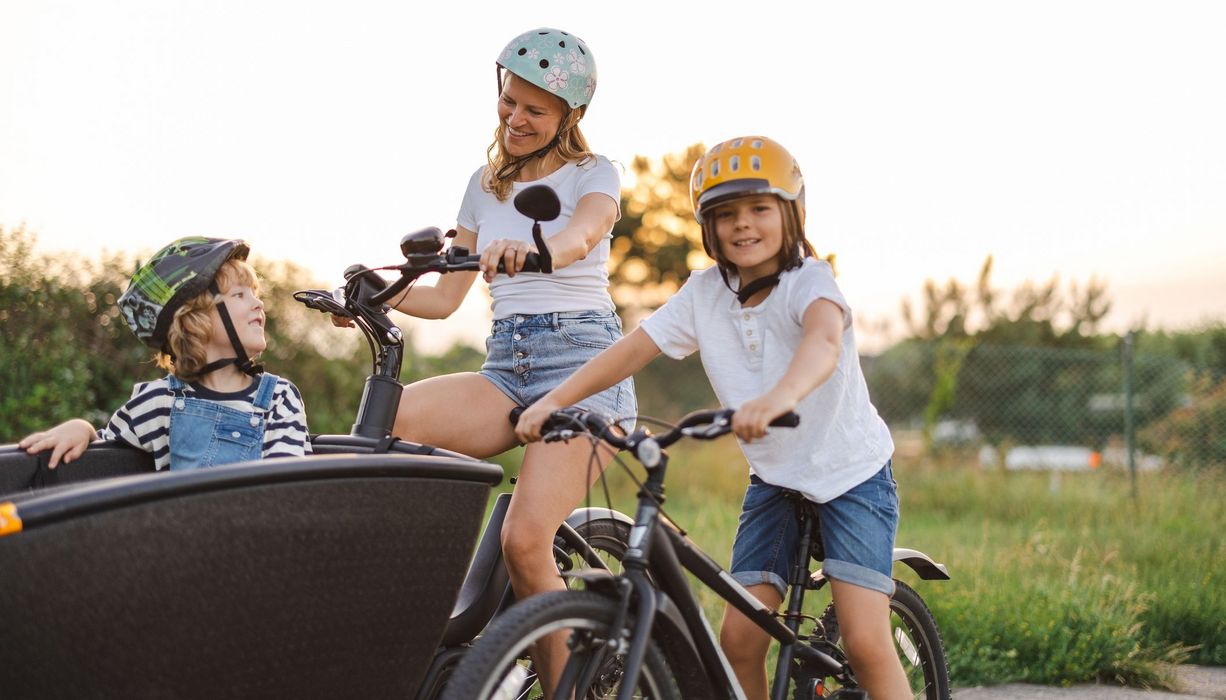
755, 162
581, 50
544, 63
734, 163
757, 143
715, 169
521, 52
736, 144
562, 44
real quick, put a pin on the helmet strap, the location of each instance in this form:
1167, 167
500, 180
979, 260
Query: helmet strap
746, 291
512, 168
241, 361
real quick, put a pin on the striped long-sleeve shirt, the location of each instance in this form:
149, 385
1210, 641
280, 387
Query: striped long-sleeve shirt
144, 421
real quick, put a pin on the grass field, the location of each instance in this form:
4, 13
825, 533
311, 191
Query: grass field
1056, 580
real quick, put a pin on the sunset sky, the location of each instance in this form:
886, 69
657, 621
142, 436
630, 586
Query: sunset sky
1066, 138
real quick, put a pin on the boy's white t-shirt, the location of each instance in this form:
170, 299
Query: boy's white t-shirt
841, 441
580, 286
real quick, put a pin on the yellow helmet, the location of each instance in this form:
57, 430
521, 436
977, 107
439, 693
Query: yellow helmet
742, 166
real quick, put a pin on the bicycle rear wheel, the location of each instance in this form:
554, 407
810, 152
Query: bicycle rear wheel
498, 665
916, 639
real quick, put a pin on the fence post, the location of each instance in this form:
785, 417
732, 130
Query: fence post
1129, 423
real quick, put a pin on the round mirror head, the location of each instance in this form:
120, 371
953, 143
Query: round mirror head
539, 203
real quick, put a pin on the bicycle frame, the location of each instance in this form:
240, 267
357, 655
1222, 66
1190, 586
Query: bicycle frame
654, 580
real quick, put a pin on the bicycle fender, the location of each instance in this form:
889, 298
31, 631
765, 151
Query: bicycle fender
583, 515
919, 562
922, 564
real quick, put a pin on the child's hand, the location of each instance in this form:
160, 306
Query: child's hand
750, 420
528, 429
342, 321
66, 440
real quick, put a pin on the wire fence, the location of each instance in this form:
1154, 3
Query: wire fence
1051, 408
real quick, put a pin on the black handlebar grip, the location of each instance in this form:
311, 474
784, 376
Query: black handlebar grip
515, 414
788, 420
532, 263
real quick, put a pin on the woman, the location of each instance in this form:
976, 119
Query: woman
545, 325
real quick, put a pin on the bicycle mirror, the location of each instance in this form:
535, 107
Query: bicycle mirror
427, 241
539, 203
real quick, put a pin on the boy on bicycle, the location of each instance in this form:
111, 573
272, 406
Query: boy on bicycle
775, 335
195, 303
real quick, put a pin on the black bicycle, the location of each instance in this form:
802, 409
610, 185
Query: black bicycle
643, 634
595, 537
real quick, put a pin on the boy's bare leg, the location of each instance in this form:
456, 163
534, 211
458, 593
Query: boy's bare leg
864, 626
745, 644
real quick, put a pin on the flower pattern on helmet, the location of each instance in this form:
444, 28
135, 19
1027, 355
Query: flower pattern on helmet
578, 64
556, 78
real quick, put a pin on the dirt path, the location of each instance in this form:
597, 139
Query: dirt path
1193, 681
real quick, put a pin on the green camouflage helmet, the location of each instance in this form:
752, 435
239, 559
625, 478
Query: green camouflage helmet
175, 274
554, 61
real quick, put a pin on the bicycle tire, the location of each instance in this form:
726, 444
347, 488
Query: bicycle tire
496, 661
917, 639
608, 537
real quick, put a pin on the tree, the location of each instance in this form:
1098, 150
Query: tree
1022, 365
657, 241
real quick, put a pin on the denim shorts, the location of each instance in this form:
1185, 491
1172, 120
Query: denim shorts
857, 531
528, 354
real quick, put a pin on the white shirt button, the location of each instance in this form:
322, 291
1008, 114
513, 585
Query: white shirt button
753, 346
746, 317
517, 337
749, 332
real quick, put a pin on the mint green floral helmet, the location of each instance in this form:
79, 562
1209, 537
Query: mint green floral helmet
555, 61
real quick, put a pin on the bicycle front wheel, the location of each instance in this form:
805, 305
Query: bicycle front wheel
916, 640
499, 666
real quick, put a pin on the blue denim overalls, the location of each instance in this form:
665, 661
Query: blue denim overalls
204, 433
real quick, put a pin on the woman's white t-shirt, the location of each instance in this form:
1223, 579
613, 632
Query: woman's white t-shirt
841, 441
580, 286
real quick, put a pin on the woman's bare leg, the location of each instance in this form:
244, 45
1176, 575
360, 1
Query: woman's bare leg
463, 412
553, 480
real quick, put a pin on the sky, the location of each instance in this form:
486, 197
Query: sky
1073, 139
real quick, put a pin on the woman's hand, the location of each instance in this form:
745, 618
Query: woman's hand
751, 419
528, 429
510, 253
342, 321
67, 440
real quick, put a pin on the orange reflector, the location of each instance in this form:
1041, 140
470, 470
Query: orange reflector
1096, 460
10, 522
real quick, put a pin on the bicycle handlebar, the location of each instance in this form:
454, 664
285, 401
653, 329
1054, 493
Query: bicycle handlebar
456, 259
709, 424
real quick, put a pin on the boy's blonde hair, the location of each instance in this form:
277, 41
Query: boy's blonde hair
572, 146
191, 329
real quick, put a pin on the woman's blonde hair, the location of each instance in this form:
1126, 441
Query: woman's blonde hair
191, 329
572, 146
